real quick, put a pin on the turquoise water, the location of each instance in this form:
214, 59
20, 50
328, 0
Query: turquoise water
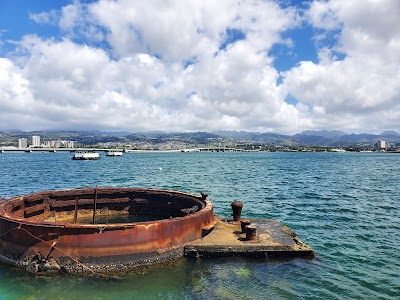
344, 205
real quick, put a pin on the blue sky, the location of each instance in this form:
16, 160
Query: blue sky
280, 66
15, 21
303, 47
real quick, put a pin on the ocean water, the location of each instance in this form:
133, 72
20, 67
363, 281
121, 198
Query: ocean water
344, 205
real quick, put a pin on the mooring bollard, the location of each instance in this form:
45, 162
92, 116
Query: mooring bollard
251, 233
237, 210
243, 224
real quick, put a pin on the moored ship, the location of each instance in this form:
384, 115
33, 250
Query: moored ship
85, 155
114, 153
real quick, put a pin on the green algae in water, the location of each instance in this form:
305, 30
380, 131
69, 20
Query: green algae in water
243, 273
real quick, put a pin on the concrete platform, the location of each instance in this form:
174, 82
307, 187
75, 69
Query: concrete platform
273, 240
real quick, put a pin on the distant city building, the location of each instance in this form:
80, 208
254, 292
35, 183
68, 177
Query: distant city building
35, 141
22, 143
58, 144
380, 144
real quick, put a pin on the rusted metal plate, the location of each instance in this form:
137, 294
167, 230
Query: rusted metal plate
24, 237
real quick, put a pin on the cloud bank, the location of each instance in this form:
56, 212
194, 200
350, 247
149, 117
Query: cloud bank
205, 65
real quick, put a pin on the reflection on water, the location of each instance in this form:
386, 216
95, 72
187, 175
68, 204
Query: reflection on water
223, 278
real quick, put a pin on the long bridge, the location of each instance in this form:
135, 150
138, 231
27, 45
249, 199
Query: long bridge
217, 149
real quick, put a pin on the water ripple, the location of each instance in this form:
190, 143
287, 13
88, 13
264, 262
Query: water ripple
346, 206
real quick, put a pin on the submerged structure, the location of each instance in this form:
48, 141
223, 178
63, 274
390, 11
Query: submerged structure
108, 230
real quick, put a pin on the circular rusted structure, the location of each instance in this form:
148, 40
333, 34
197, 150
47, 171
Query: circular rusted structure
107, 229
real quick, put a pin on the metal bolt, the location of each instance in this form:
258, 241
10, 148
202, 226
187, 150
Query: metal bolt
251, 233
237, 210
243, 224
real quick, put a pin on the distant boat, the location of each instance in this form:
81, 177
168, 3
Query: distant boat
114, 153
85, 155
338, 150
1, 151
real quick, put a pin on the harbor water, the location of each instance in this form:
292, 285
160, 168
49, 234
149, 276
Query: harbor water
346, 206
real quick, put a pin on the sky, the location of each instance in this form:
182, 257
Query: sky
201, 65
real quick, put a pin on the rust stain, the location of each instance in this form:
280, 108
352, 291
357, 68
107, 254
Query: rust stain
100, 222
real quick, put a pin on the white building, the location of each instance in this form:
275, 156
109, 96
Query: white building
58, 144
35, 141
380, 144
22, 143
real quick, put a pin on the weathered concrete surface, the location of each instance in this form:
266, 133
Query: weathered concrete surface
273, 240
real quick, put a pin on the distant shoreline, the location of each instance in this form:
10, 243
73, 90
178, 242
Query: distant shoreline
201, 149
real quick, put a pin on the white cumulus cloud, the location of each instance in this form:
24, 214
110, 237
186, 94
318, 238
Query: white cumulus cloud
204, 65
363, 87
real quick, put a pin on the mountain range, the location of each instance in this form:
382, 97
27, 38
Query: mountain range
322, 138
